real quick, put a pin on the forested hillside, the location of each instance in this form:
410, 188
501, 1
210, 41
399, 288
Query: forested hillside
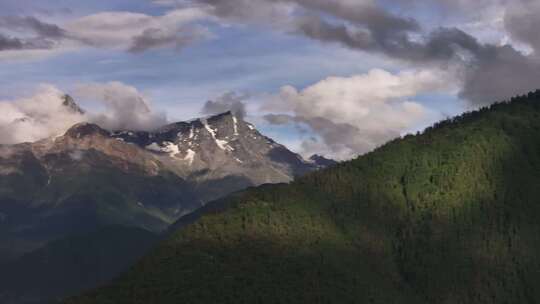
451, 215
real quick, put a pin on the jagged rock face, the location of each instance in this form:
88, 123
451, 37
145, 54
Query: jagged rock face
70, 103
206, 151
321, 161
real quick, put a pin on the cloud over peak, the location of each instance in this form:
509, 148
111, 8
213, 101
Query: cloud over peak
229, 101
36, 117
47, 113
353, 115
125, 107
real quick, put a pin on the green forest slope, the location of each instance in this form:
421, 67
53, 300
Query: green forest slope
448, 216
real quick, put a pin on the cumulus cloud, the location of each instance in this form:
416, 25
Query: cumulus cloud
353, 115
229, 101
39, 116
50, 112
125, 107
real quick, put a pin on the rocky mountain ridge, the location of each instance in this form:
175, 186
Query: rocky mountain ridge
218, 147
91, 177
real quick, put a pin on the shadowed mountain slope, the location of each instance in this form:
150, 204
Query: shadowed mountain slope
448, 216
72, 264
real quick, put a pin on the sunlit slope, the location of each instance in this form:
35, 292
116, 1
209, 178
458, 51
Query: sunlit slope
448, 216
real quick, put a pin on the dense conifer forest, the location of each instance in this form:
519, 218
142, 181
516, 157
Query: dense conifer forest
451, 215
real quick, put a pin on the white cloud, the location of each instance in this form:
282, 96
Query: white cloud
39, 116
125, 107
43, 115
137, 31
354, 115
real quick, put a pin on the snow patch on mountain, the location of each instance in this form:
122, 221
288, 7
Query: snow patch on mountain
171, 148
190, 156
235, 124
222, 144
153, 147
168, 147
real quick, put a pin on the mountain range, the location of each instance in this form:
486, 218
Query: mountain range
450, 215
90, 178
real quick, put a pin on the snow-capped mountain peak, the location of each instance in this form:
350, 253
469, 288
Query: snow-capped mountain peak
221, 145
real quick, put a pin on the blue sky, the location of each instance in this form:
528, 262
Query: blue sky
254, 60
311, 79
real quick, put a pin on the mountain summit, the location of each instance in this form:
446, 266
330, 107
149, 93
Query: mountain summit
220, 148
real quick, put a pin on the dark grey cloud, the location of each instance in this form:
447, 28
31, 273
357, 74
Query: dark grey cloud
442, 44
359, 24
267, 11
338, 140
10, 43
360, 12
380, 24
13, 43
340, 137
279, 119
32, 24
500, 73
154, 38
35, 34
522, 22
316, 28
230, 101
